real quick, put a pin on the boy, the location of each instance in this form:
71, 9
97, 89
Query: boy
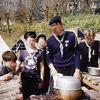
41, 40
89, 50
7, 70
33, 69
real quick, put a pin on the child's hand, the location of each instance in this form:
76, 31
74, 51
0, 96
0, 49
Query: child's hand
6, 77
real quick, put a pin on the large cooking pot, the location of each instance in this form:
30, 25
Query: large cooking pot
68, 88
94, 71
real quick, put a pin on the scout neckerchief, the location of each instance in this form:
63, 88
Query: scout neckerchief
89, 51
31, 52
32, 55
61, 43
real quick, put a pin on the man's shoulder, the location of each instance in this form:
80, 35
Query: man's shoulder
50, 39
70, 33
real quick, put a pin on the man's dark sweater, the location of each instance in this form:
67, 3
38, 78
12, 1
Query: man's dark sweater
71, 56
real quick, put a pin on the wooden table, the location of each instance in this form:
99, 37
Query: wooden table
91, 81
9, 90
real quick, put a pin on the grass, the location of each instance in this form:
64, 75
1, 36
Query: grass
81, 21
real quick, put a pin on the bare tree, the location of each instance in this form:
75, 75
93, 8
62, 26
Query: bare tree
7, 18
36, 9
21, 12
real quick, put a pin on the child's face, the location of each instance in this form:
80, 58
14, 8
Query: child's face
31, 42
42, 43
10, 64
90, 38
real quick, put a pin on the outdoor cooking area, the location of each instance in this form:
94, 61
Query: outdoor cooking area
73, 91
69, 88
63, 87
66, 88
49, 49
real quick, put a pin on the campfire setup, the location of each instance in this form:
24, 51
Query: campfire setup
49, 49
66, 88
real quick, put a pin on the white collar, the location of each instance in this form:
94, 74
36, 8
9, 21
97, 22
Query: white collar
59, 34
87, 44
32, 50
89, 50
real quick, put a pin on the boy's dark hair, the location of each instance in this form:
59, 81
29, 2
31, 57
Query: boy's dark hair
55, 19
41, 36
30, 34
9, 56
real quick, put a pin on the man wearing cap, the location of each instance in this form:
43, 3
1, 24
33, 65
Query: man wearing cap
62, 55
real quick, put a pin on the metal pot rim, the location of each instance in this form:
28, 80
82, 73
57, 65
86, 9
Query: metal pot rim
94, 71
67, 83
57, 88
94, 68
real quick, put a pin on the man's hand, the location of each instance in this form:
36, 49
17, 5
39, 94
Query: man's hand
52, 69
77, 74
